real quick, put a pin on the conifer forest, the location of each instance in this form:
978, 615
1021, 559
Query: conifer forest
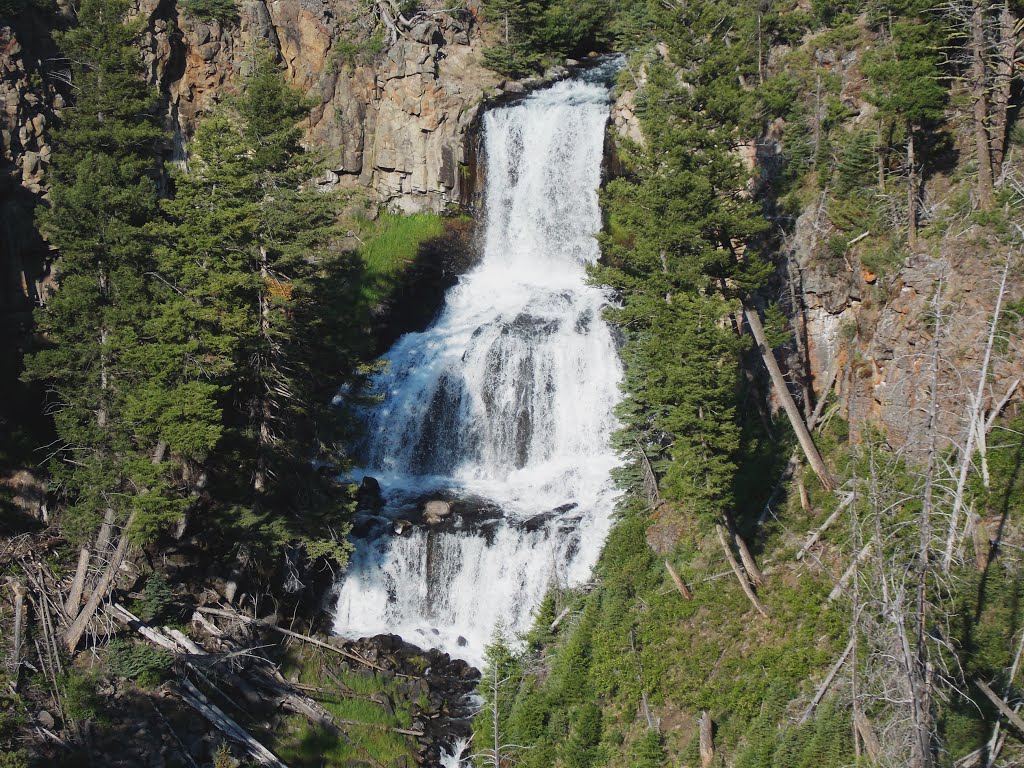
512, 383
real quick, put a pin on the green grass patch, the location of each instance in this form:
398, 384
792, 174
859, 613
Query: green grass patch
301, 744
388, 247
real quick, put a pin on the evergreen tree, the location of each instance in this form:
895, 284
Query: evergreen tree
676, 253
909, 92
102, 200
245, 276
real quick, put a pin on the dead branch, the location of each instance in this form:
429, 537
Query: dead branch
840, 586
559, 617
823, 688
297, 636
747, 590
1002, 706
972, 428
815, 535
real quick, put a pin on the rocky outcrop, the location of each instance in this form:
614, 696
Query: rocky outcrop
31, 92
877, 331
394, 119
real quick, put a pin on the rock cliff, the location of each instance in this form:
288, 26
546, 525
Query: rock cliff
395, 119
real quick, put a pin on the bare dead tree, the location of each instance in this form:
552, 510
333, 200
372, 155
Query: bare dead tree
975, 419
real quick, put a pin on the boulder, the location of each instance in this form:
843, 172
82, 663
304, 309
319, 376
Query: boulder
436, 511
369, 497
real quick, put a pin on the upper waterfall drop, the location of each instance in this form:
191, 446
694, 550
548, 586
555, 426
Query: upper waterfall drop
505, 402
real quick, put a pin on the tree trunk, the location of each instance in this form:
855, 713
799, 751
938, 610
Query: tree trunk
795, 419
19, 614
749, 563
263, 409
976, 414
495, 721
707, 743
74, 601
678, 581
911, 190
77, 629
979, 95
740, 576
1003, 86
867, 735
881, 149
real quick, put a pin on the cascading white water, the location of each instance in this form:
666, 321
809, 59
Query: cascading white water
506, 399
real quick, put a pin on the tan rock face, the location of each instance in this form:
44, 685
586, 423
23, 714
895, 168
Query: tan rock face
396, 121
25, 113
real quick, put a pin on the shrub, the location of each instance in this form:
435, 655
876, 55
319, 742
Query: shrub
139, 662
157, 597
223, 11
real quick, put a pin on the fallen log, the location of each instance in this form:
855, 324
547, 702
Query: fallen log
1002, 706
794, 460
296, 635
840, 586
867, 736
740, 576
77, 629
19, 614
707, 744
680, 584
823, 688
815, 535
195, 699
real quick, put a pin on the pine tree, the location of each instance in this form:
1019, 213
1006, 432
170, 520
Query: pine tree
245, 278
909, 92
102, 199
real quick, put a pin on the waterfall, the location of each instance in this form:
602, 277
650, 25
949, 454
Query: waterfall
503, 406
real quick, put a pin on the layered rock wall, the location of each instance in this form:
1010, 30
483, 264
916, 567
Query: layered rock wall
395, 119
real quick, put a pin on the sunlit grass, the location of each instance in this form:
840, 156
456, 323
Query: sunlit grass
300, 744
388, 247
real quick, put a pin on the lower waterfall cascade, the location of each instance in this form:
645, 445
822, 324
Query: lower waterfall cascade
503, 407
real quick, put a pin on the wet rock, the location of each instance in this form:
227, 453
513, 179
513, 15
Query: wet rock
401, 526
369, 497
436, 511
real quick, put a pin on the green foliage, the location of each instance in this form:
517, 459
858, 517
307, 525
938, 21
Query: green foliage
906, 74
648, 751
348, 52
12, 8
390, 243
157, 597
677, 220
533, 32
140, 662
776, 326
81, 702
12, 720
251, 326
304, 746
102, 202
224, 11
